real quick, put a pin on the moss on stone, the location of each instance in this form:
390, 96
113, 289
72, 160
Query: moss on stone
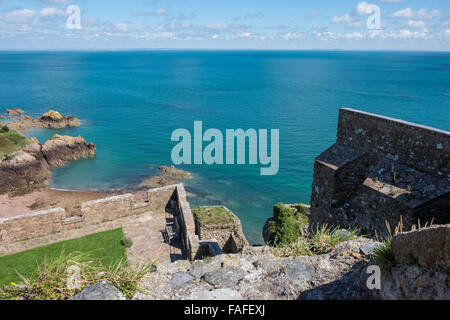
288, 225
11, 141
213, 215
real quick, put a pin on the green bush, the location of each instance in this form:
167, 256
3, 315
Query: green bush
4, 129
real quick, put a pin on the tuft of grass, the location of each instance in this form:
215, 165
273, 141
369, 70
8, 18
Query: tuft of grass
321, 241
51, 280
383, 255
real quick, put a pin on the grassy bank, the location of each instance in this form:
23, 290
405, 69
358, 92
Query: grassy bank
105, 247
11, 141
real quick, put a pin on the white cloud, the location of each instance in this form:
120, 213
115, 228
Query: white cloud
52, 13
340, 19
314, 13
416, 23
122, 27
420, 14
355, 35
218, 25
363, 8
160, 12
18, 16
292, 35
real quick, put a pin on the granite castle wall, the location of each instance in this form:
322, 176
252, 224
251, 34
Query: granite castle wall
380, 169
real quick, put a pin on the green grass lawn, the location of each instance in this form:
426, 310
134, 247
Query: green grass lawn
105, 247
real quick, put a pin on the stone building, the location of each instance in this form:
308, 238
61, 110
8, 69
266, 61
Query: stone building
381, 169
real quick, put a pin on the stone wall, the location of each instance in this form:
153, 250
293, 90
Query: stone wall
107, 209
424, 148
48, 222
186, 220
422, 266
33, 225
159, 198
380, 169
229, 236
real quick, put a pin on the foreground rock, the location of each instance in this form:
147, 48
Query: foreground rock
29, 168
422, 266
100, 291
257, 274
49, 120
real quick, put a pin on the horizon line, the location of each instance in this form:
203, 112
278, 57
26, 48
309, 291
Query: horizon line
217, 49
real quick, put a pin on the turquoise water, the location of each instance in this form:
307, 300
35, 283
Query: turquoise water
130, 102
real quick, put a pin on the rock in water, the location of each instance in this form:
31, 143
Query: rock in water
218, 294
28, 169
14, 112
62, 149
55, 120
100, 291
175, 173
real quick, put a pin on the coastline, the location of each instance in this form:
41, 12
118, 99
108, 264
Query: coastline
46, 199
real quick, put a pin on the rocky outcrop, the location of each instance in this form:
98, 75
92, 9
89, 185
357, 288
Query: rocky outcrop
169, 176
62, 149
174, 173
53, 119
422, 266
14, 112
26, 171
257, 274
49, 120
29, 168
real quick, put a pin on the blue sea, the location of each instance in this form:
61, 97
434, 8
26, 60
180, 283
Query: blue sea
130, 103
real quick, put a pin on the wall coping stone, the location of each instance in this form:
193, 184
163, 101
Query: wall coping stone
33, 214
398, 122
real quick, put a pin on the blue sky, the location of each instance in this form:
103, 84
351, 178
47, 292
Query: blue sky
230, 24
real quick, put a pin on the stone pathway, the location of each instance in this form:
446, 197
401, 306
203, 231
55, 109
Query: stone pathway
147, 232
